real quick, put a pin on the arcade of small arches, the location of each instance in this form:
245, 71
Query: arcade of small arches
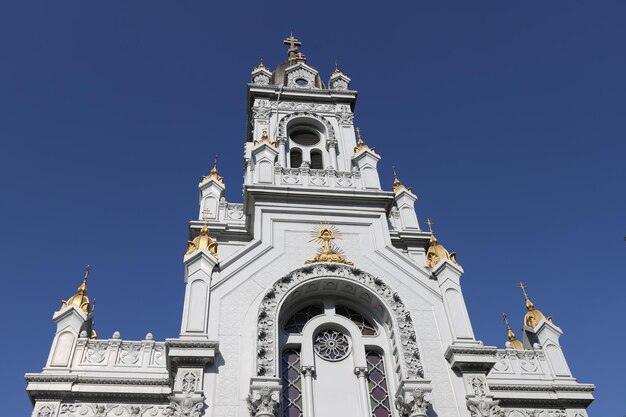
309, 140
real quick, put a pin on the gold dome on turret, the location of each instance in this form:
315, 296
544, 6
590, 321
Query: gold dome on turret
514, 343
202, 241
436, 251
213, 175
79, 299
533, 316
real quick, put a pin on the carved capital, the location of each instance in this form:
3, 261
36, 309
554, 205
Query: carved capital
484, 407
185, 406
264, 402
307, 371
414, 403
361, 371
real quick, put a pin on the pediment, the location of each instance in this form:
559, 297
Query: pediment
300, 76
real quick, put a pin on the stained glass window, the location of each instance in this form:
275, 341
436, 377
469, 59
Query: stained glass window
367, 329
292, 383
296, 323
377, 382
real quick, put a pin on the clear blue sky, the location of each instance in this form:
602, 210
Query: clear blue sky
506, 118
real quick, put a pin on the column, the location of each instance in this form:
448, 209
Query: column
307, 390
361, 374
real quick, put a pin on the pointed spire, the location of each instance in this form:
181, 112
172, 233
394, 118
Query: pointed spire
512, 340
533, 316
360, 145
80, 299
213, 175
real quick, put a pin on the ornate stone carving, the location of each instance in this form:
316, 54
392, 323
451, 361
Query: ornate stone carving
129, 353
330, 132
345, 179
234, 211
502, 363
158, 355
302, 73
483, 407
96, 351
528, 361
268, 315
345, 118
261, 78
185, 406
188, 383
46, 410
117, 410
318, 177
263, 402
413, 404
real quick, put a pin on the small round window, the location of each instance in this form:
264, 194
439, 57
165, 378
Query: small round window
301, 82
304, 137
331, 345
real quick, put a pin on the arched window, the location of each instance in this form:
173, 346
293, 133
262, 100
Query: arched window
295, 158
316, 160
334, 359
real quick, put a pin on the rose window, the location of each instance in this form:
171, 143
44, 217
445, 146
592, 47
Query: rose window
331, 345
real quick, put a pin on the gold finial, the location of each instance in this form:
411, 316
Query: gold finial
430, 225
260, 66
337, 71
80, 299
360, 145
293, 44
515, 344
324, 234
264, 139
397, 185
213, 174
533, 316
203, 240
436, 251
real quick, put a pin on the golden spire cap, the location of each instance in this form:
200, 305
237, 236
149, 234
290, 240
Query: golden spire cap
515, 344
325, 234
436, 251
397, 185
203, 240
533, 316
260, 66
337, 71
80, 299
213, 175
360, 145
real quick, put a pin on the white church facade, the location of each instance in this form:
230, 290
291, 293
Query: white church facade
319, 296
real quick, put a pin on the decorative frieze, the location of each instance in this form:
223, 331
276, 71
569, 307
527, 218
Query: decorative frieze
413, 403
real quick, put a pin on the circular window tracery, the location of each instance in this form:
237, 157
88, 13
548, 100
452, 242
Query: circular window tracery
331, 345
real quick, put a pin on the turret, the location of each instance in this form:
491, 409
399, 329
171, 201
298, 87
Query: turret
74, 319
541, 333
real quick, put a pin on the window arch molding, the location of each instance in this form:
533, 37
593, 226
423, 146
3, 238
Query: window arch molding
340, 279
282, 125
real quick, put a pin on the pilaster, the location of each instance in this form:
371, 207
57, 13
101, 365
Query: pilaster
199, 267
448, 276
366, 162
70, 321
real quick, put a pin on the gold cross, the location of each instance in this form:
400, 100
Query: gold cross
506, 319
205, 215
523, 287
293, 44
430, 224
358, 132
87, 269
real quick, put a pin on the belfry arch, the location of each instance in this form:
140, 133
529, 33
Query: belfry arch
352, 283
